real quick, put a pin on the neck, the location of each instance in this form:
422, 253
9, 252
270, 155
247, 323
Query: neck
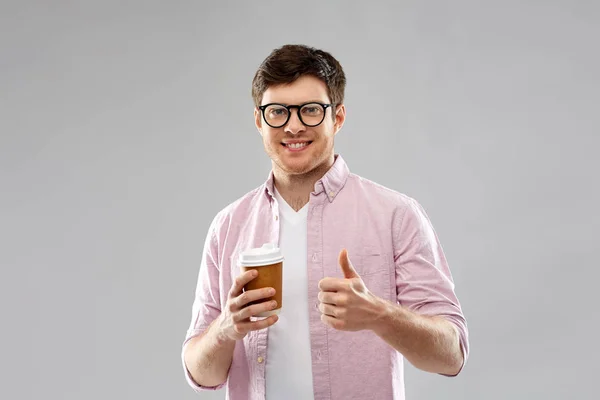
296, 189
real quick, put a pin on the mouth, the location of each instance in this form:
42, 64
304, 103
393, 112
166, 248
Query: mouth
296, 146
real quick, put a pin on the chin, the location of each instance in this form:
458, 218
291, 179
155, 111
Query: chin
297, 168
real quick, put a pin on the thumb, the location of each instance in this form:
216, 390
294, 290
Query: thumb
346, 265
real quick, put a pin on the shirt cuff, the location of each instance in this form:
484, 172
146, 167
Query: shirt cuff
463, 345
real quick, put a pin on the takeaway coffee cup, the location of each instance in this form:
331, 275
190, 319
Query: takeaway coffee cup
268, 261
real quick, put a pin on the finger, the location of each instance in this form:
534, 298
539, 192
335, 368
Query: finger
251, 311
241, 281
328, 309
329, 298
252, 295
347, 268
333, 322
246, 327
332, 284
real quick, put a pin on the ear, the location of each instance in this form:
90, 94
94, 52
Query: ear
258, 120
340, 117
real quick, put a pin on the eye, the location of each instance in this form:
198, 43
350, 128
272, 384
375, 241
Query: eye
312, 110
276, 111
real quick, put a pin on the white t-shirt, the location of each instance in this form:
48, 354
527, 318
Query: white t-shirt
289, 363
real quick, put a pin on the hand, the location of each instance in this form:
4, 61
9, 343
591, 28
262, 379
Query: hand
235, 321
346, 304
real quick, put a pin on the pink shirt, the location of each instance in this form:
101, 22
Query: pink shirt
391, 244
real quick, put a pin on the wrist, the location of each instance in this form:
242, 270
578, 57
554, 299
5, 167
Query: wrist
390, 319
220, 333
382, 315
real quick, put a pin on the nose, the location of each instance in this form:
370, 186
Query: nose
294, 125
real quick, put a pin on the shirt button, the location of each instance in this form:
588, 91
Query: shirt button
331, 194
276, 217
260, 360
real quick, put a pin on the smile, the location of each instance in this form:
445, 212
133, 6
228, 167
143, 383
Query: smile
296, 146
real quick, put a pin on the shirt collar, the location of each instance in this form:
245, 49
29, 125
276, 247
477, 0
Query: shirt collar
331, 183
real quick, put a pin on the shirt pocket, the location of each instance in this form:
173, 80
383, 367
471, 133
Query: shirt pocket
375, 269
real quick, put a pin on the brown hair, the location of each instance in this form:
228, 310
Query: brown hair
287, 63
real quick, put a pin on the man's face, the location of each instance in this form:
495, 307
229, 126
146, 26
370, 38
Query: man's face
316, 142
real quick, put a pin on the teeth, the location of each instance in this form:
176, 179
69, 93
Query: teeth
297, 145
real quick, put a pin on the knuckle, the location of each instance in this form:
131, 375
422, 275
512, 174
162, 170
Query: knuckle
250, 312
230, 307
343, 299
258, 308
358, 284
336, 312
264, 307
257, 325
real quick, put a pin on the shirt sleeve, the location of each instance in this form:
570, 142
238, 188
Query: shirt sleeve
207, 301
423, 279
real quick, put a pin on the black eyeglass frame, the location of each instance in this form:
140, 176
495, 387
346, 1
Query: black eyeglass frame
289, 110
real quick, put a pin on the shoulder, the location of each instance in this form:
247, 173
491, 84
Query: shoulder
239, 209
402, 209
378, 193
408, 219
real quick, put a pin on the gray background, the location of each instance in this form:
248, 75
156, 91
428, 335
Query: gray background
125, 126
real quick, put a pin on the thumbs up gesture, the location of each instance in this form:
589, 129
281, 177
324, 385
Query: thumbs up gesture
346, 303
347, 268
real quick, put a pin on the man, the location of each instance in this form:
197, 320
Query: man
365, 280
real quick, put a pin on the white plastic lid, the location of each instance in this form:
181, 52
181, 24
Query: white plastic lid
268, 254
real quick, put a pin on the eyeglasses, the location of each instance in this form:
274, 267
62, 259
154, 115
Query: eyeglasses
310, 114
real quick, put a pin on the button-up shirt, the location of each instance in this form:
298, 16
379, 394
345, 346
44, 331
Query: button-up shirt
391, 244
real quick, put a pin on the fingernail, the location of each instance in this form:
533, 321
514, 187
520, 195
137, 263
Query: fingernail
273, 304
271, 291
